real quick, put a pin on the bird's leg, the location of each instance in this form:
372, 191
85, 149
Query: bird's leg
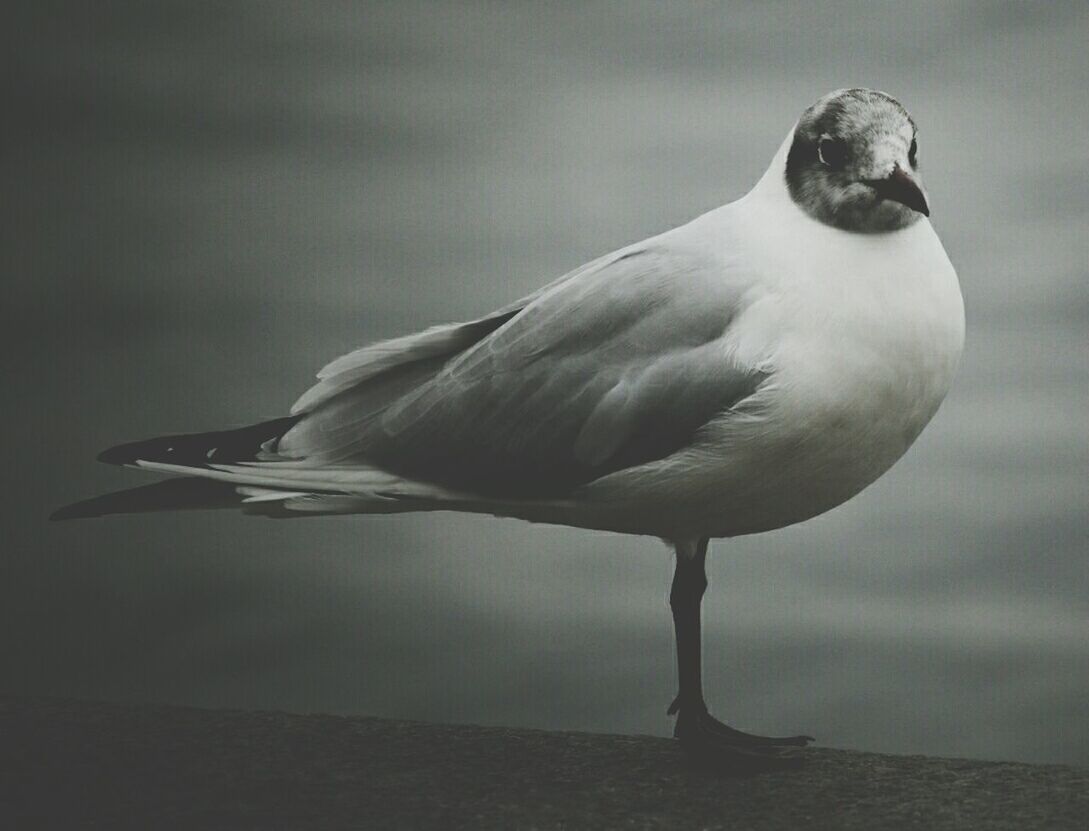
685, 597
697, 730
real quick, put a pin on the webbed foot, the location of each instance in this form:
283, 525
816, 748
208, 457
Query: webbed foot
711, 743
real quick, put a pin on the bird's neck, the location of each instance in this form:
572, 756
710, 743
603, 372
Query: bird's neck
772, 185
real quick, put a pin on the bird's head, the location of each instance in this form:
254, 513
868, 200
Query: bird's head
853, 163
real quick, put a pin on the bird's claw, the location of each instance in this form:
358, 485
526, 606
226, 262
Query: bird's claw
711, 743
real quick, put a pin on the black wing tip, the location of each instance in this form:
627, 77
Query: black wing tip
121, 454
197, 449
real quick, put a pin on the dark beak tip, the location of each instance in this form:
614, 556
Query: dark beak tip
900, 187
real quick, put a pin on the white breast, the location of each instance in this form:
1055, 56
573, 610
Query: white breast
862, 334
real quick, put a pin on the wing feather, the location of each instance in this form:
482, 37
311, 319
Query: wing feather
356, 368
615, 365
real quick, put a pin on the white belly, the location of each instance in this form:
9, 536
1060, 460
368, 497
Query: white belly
861, 351
864, 353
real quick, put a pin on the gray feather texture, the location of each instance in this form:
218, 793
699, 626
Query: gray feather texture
612, 366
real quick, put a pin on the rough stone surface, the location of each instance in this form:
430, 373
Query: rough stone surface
67, 764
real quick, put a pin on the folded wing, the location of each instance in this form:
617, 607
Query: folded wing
613, 366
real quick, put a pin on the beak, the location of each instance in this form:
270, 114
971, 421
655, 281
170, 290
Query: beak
900, 187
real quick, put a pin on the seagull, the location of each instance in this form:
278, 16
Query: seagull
743, 372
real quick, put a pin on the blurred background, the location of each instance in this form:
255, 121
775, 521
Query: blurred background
204, 202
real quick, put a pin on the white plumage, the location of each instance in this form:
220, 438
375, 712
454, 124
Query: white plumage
781, 363
749, 370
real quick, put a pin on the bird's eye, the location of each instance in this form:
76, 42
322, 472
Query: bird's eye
912, 151
832, 152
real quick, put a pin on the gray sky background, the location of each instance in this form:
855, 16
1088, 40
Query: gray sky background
205, 202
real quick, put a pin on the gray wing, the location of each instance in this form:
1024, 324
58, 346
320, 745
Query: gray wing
616, 367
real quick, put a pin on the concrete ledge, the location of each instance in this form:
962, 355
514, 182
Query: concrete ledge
69, 764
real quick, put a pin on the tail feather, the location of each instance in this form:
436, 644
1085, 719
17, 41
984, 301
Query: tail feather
354, 479
230, 469
196, 493
171, 495
240, 469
